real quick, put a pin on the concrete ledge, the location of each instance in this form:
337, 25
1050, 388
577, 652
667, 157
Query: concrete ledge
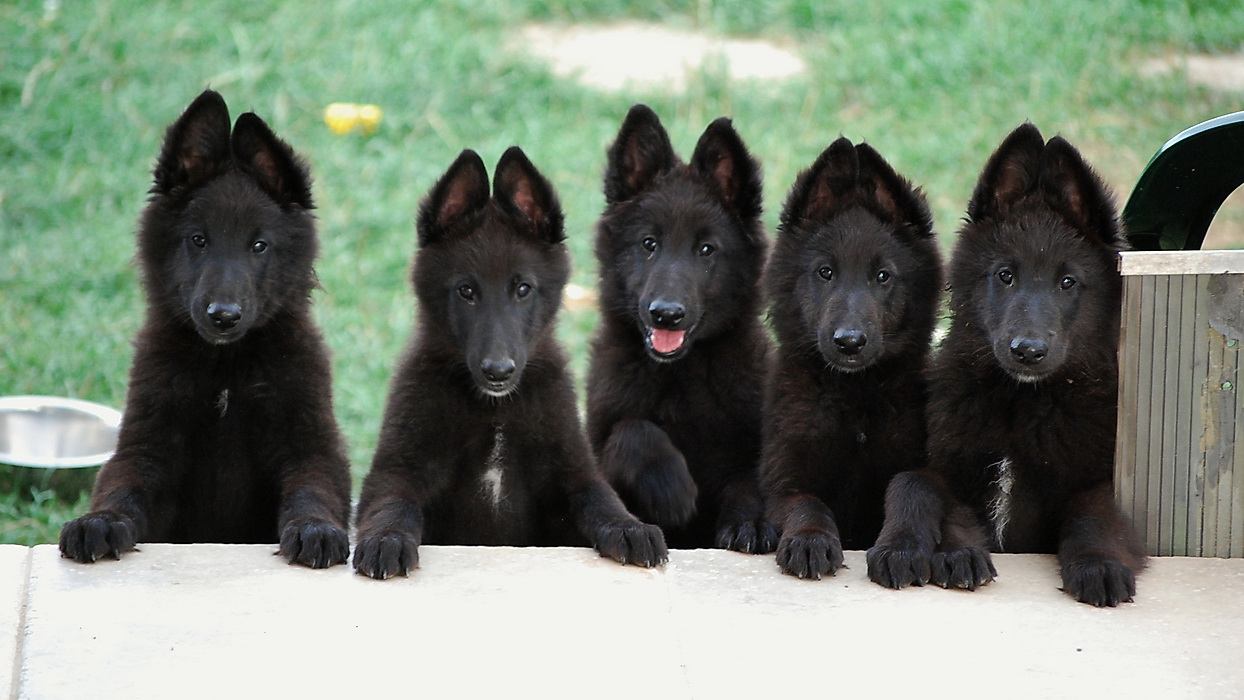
216, 620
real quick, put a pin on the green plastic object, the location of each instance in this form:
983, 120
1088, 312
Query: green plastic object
1184, 184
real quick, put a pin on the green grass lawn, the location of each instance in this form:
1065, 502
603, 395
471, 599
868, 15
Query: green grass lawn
86, 90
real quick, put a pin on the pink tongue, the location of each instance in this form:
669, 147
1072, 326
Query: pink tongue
666, 342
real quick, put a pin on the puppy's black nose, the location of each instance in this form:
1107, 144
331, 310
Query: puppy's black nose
1029, 351
498, 370
224, 316
666, 314
850, 342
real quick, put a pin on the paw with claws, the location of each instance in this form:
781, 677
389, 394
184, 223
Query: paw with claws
810, 554
966, 567
100, 534
313, 542
386, 554
748, 536
632, 542
1099, 581
895, 565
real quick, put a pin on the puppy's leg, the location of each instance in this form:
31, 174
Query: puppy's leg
928, 537
810, 546
649, 473
1098, 550
742, 525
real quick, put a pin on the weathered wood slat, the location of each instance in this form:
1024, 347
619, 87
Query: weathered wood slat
1168, 384
1236, 466
1205, 508
1149, 435
1126, 492
1217, 491
1187, 517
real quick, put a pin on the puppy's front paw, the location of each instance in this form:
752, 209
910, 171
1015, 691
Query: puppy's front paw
1099, 581
385, 554
312, 542
749, 536
965, 567
632, 542
98, 534
810, 554
898, 565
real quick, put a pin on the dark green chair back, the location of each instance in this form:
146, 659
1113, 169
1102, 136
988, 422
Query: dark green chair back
1184, 184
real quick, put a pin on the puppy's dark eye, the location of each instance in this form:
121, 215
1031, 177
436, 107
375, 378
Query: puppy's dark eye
826, 273
467, 292
650, 244
523, 291
1006, 276
883, 276
1067, 282
199, 240
707, 250
259, 246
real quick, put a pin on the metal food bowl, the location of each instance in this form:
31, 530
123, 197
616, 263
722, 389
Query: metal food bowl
54, 443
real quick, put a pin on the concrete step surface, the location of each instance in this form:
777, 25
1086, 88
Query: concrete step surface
214, 621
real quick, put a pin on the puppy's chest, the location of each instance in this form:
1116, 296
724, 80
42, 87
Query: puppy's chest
498, 475
236, 402
1017, 518
1001, 499
492, 483
699, 397
224, 389
859, 416
229, 426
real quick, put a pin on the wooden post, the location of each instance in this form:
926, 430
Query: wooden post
1180, 419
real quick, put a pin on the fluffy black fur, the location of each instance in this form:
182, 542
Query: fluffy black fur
481, 442
228, 433
1023, 393
674, 388
853, 286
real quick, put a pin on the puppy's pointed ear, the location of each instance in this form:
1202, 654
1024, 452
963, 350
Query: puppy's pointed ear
1010, 174
461, 191
825, 188
639, 155
1072, 189
271, 162
525, 194
892, 196
196, 146
721, 156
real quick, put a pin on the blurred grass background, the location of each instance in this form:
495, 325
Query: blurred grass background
87, 88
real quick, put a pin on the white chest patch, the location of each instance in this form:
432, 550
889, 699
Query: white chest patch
1000, 506
491, 483
222, 402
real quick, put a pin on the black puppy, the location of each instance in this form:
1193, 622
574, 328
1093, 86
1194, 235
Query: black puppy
481, 442
674, 388
853, 286
228, 433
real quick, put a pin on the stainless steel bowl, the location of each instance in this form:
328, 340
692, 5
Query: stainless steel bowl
54, 443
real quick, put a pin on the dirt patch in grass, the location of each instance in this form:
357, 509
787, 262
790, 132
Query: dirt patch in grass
1227, 229
1222, 72
634, 54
